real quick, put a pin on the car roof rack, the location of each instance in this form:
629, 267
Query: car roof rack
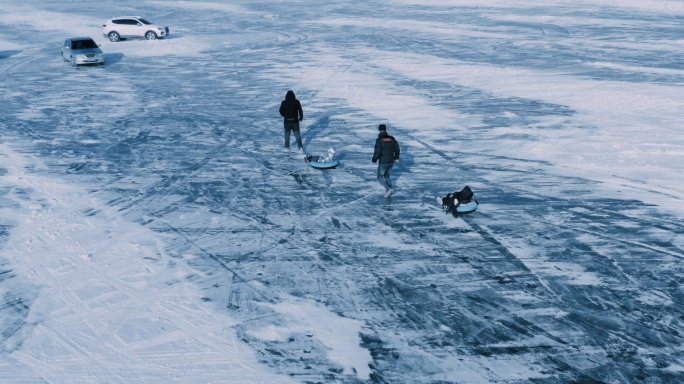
125, 17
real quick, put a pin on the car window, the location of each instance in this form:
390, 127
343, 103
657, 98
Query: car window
145, 21
118, 21
83, 44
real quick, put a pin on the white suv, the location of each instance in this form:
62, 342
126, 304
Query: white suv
121, 28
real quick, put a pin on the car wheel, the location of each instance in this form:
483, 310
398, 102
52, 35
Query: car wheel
151, 35
114, 37
73, 62
101, 63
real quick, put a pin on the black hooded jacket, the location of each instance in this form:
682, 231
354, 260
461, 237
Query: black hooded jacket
386, 149
291, 109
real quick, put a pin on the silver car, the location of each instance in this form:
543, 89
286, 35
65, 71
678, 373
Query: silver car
82, 50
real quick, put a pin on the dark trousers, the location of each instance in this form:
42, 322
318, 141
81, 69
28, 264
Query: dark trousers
384, 174
294, 127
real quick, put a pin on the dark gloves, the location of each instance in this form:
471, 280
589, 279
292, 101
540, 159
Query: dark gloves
375, 161
301, 118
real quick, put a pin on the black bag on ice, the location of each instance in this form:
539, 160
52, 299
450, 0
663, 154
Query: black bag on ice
464, 195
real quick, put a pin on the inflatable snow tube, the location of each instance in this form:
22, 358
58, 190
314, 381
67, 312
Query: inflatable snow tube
332, 164
467, 208
313, 161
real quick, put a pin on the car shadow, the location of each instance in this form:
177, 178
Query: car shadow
142, 38
113, 58
8, 54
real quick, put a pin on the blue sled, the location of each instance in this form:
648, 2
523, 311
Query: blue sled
467, 208
312, 162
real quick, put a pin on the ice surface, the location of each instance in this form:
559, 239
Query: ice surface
152, 230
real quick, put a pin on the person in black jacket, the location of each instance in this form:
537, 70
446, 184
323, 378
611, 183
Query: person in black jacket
387, 151
291, 110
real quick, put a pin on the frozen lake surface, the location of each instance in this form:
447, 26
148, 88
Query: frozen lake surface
152, 230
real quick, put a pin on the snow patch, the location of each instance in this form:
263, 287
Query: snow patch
340, 334
654, 297
631, 68
113, 306
72, 25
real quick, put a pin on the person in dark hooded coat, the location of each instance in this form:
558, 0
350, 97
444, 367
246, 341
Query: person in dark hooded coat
291, 110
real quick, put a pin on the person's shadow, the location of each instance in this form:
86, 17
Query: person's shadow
404, 165
315, 128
